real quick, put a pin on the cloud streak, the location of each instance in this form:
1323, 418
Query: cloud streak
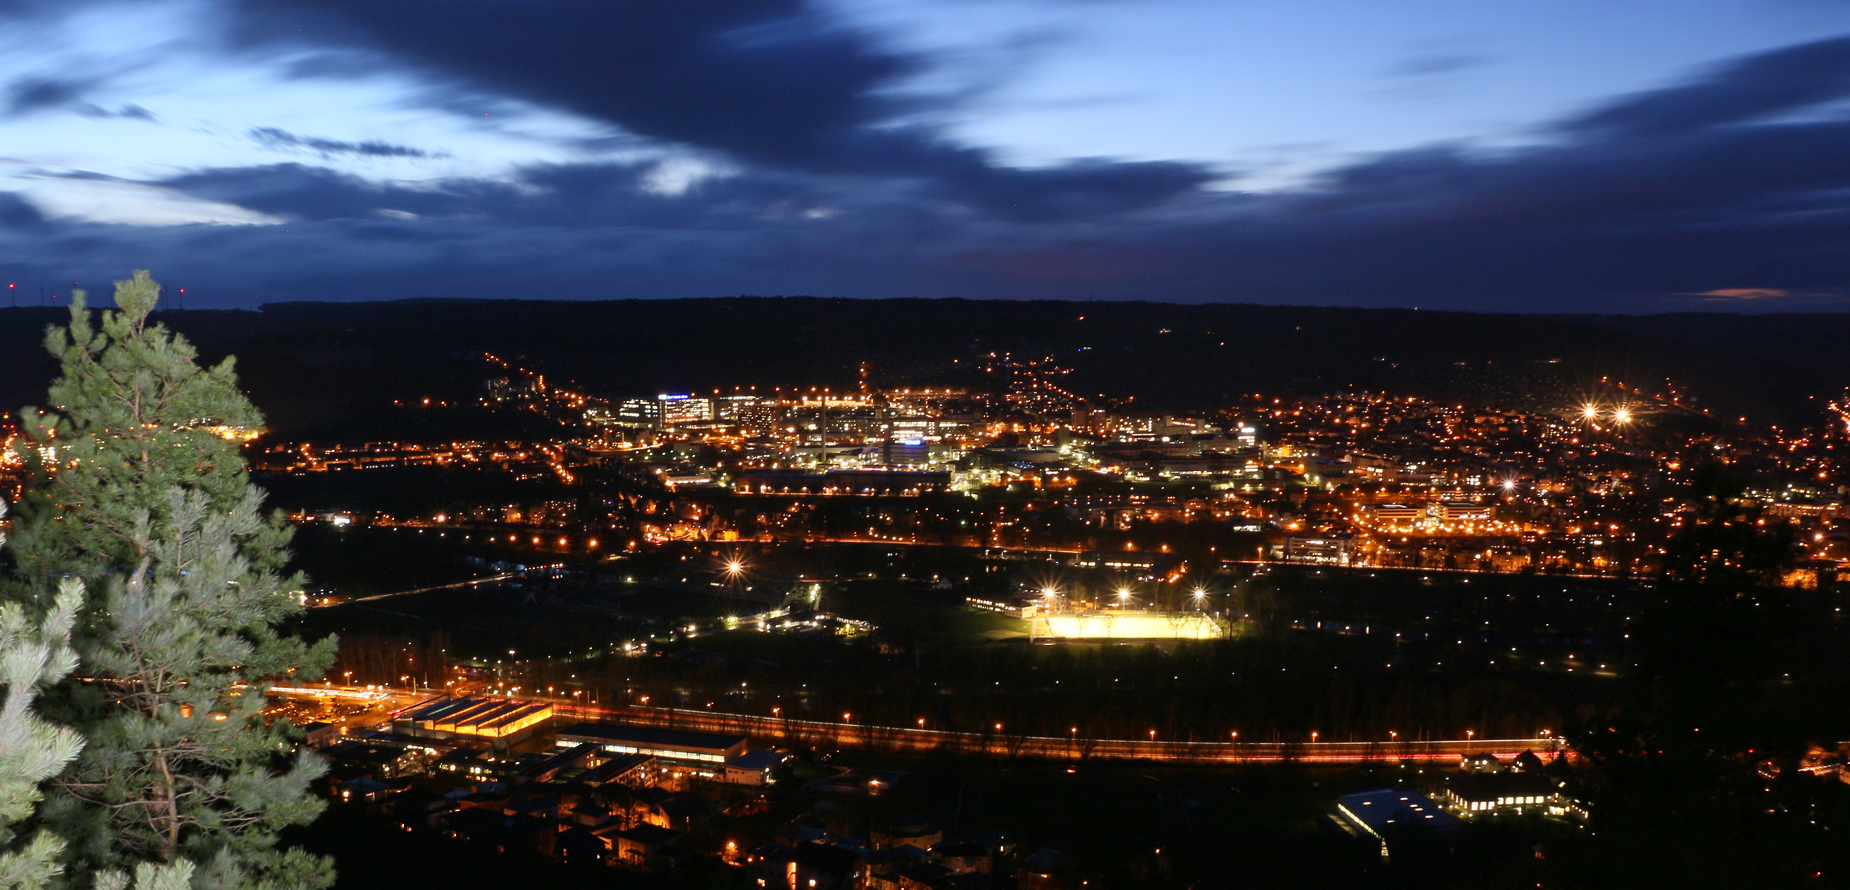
272, 137
766, 82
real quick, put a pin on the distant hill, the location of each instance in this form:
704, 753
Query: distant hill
318, 367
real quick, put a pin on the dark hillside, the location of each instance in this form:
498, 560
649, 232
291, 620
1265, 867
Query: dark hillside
314, 366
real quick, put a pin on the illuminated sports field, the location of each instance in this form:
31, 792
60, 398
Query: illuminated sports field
1129, 626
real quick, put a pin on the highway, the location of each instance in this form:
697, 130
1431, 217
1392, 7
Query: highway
858, 736
852, 736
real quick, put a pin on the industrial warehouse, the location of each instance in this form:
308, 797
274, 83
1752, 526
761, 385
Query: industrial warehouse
497, 719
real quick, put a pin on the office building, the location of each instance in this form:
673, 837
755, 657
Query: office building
681, 409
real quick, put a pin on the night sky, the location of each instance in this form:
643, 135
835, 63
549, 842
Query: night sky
1524, 155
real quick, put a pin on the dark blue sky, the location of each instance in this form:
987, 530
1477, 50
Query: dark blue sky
1518, 156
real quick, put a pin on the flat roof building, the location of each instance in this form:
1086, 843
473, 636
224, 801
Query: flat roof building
1472, 794
490, 718
1392, 817
754, 767
667, 744
706, 755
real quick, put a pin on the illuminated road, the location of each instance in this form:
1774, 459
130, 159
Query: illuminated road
473, 582
887, 739
858, 736
853, 736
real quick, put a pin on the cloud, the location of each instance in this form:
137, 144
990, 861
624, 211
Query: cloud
29, 94
758, 146
272, 137
17, 213
776, 83
98, 198
1437, 65
762, 79
1781, 298
1746, 293
1753, 88
300, 191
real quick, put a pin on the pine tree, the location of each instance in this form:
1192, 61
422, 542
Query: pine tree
36, 654
139, 488
33, 655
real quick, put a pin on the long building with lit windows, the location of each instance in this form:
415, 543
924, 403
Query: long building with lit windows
688, 748
723, 758
863, 482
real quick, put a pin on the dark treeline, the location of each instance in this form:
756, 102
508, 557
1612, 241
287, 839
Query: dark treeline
328, 369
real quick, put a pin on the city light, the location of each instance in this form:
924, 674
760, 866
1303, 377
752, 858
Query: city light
1089, 529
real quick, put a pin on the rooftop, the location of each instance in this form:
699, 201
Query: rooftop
1393, 810
643, 736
